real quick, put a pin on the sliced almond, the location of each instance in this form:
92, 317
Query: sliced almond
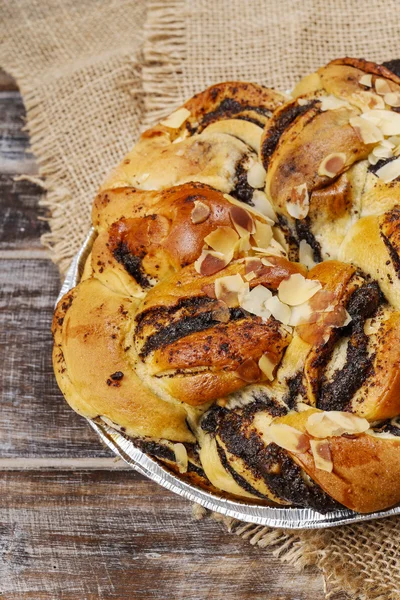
221, 313
346, 317
243, 244
382, 151
390, 171
280, 238
252, 263
274, 249
306, 254
256, 175
372, 159
332, 164
242, 220
181, 457
390, 124
366, 80
333, 103
371, 326
229, 288
388, 121
267, 366
209, 290
254, 301
210, 262
200, 212
302, 407
366, 131
367, 100
394, 140
301, 314
286, 329
382, 87
176, 119
280, 311
250, 276
297, 289
179, 139
334, 423
246, 131
263, 234
392, 99
249, 371
322, 455
299, 202
222, 239
264, 206
388, 144
266, 262
288, 437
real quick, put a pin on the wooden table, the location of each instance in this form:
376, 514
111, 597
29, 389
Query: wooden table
74, 523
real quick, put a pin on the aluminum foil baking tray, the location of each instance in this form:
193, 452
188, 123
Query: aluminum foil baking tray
287, 518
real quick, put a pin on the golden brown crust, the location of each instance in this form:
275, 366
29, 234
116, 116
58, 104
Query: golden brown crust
342, 77
154, 339
367, 247
113, 204
379, 398
189, 282
366, 468
322, 134
156, 236
367, 67
233, 99
91, 327
366, 475
198, 363
335, 201
167, 156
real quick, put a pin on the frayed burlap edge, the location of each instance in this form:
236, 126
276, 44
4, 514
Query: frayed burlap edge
56, 196
163, 53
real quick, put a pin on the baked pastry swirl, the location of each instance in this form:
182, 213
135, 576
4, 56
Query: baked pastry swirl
239, 313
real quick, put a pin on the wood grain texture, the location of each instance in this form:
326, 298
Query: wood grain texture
66, 536
22, 220
35, 421
15, 156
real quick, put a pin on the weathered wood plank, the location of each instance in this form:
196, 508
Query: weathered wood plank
35, 421
44, 463
115, 535
21, 222
15, 156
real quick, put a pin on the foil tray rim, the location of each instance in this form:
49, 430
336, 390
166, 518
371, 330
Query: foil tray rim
123, 447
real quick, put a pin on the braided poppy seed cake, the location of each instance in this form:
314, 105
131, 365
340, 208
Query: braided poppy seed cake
239, 313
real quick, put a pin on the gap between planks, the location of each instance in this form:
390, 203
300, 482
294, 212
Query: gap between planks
63, 464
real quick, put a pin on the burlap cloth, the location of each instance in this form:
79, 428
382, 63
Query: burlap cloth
93, 74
